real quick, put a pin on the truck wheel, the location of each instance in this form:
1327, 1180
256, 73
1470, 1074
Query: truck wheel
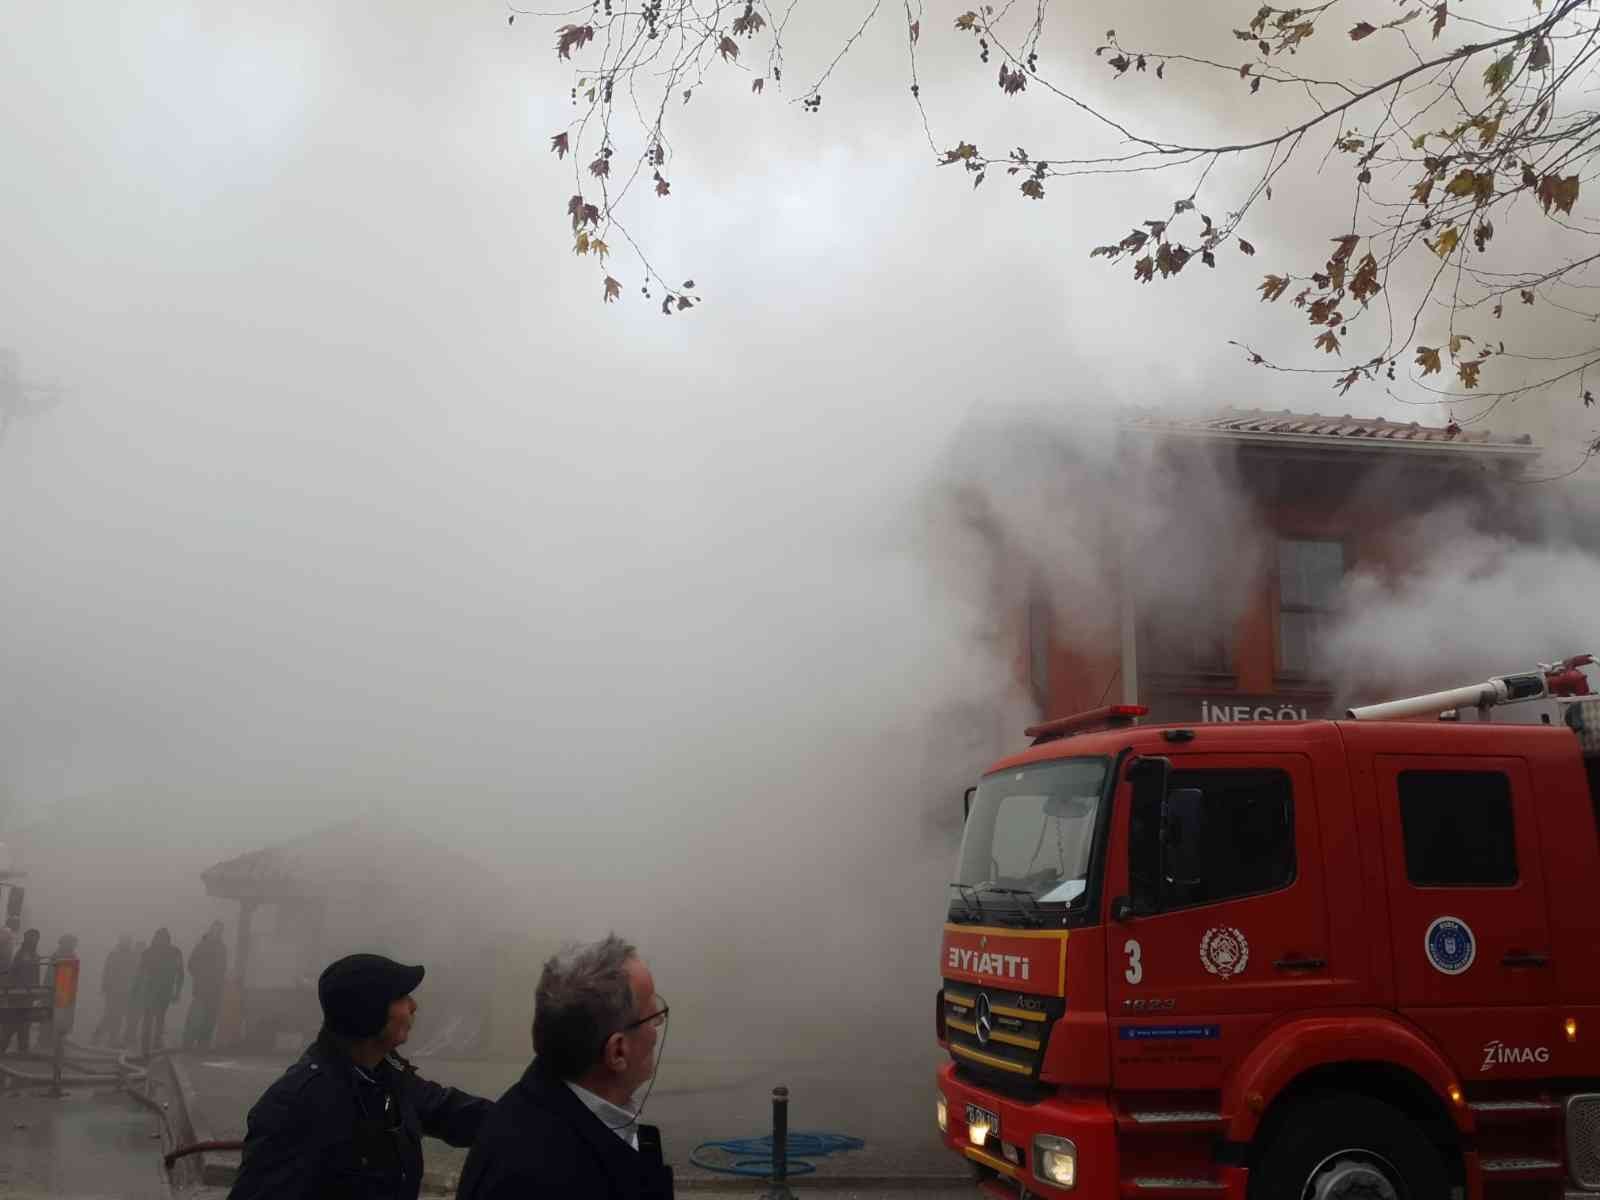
1348, 1148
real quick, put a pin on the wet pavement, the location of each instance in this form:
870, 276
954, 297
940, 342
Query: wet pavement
94, 1143
889, 1105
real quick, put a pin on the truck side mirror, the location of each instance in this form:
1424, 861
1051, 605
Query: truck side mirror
966, 802
1182, 813
1148, 779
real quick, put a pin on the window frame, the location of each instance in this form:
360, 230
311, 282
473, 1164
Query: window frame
1283, 669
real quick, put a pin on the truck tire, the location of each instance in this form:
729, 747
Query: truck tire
1347, 1148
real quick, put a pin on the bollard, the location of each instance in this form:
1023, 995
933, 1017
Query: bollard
780, 1146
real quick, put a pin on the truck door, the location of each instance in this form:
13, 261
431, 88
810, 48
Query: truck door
1469, 931
1192, 983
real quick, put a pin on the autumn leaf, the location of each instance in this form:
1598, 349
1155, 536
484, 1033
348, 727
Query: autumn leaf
597, 247
1539, 58
1273, 286
916, 31
1364, 285
1033, 189
1498, 74
1208, 258
1327, 342
1559, 193
1482, 234
600, 167
582, 214
1347, 246
962, 152
1345, 381
1144, 269
1527, 297
967, 21
571, 37
1246, 247
580, 244
752, 22
558, 144
1456, 340
1428, 360
728, 48
1362, 30
662, 186
1488, 130
1440, 11
1446, 245
1012, 82
1255, 85
1469, 373
613, 289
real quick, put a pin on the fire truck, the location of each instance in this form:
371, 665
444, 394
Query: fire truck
1315, 960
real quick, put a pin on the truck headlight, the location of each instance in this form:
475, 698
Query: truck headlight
942, 1107
1055, 1160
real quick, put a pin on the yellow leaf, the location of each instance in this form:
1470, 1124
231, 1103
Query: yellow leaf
1455, 343
1488, 131
1428, 360
1273, 286
1469, 373
1420, 141
1462, 184
1446, 245
1499, 74
600, 248
1423, 190
581, 246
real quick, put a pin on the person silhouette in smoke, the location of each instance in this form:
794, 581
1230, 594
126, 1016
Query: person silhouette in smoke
157, 987
116, 981
23, 973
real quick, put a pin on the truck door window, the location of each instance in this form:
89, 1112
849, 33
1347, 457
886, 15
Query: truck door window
1246, 838
1458, 828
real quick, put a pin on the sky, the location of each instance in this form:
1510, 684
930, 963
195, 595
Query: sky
358, 500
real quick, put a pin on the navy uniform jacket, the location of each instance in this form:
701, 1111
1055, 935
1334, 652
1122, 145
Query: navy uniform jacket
541, 1143
328, 1128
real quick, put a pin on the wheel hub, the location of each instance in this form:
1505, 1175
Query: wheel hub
1351, 1179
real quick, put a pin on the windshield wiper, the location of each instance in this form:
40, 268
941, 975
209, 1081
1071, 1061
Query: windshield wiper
969, 896
1033, 910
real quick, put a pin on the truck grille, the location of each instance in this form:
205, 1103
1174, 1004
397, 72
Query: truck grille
1015, 1028
1583, 1139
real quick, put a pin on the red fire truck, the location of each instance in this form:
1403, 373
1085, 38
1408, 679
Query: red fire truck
1317, 960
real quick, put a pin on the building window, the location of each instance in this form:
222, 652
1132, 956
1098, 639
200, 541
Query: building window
1309, 578
1195, 640
1458, 829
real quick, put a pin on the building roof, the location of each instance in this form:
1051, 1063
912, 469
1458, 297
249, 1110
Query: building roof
342, 856
1260, 426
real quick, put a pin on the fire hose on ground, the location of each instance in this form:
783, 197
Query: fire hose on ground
776, 1156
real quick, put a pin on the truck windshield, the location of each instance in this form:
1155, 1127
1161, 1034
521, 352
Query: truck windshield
1031, 828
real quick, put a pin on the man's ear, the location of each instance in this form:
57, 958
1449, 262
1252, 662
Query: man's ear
613, 1055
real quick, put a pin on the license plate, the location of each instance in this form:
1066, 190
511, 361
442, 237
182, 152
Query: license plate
977, 1116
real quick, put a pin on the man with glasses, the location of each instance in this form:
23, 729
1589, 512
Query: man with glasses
570, 1126
347, 1120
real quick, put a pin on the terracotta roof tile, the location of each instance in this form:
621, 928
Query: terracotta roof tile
1260, 422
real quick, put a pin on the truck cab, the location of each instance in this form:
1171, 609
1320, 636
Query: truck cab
1289, 961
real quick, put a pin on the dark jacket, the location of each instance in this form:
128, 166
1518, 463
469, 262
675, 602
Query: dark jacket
122, 964
541, 1143
329, 1130
208, 965
160, 975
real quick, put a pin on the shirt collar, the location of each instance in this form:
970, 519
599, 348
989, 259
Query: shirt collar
620, 1121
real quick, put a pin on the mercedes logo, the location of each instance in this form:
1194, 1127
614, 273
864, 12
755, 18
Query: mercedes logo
985, 1019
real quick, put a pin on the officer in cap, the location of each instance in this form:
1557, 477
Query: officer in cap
347, 1119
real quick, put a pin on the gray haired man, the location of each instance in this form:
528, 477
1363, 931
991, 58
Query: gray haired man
570, 1127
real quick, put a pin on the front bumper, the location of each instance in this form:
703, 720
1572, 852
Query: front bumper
1087, 1122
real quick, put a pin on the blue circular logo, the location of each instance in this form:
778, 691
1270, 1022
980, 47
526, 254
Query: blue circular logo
1450, 945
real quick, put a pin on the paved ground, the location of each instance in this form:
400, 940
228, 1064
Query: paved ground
96, 1143
889, 1105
